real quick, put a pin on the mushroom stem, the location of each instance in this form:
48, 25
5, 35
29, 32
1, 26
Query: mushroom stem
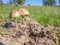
22, 19
15, 23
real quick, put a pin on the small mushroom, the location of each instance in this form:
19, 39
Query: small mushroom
14, 14
23, 12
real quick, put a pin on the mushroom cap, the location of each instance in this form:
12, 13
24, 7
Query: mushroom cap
14, 14
23, 12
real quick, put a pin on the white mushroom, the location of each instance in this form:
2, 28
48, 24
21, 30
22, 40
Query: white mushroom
14, 14
23, 12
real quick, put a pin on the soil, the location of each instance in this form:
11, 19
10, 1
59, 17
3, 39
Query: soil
29, 33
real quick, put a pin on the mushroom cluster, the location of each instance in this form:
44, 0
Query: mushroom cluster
17, 13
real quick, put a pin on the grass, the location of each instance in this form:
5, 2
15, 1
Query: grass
44, 15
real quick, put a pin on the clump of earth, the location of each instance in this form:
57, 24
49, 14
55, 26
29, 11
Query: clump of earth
29, 33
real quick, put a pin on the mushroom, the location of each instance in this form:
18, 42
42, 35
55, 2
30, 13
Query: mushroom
23, 12
14, 14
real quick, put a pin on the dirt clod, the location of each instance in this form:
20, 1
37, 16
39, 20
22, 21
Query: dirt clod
31, 33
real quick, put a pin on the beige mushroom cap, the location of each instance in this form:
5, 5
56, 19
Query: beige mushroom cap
23, 12
14, 14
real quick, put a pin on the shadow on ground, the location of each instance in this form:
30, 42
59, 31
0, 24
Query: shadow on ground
1, 43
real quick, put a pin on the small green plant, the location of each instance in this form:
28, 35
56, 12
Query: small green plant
4, 33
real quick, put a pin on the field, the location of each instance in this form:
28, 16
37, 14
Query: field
44, 15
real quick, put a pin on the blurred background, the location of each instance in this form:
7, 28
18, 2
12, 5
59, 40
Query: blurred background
32, 2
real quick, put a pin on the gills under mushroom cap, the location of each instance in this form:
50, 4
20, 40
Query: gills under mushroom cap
14, 14
23, 12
